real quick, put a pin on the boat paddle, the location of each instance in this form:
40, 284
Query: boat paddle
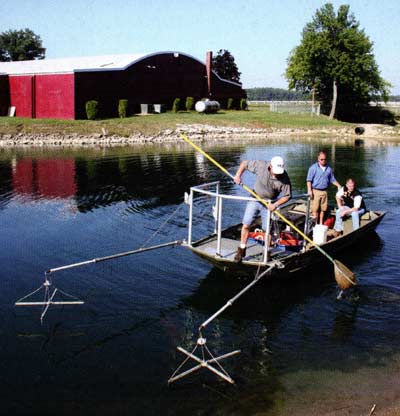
345, 278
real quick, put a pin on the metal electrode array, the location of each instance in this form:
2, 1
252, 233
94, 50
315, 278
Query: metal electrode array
46, 286
206, 356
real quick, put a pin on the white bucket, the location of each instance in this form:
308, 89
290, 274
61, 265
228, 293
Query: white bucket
319, 234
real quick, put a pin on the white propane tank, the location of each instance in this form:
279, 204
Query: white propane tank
207, 106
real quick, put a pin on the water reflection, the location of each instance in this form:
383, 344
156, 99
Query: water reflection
6, 188
143, 181
48, 179
156, 178
121, 345
346, 161
343, 325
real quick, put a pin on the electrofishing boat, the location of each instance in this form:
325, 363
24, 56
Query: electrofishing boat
289, 250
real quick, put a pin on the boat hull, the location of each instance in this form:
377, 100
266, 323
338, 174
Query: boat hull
291, 262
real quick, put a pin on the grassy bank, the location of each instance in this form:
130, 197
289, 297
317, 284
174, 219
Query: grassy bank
255, 117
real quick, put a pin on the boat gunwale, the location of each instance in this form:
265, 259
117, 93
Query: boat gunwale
332, 246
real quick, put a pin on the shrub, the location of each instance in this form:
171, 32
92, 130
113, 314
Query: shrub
176, 105
243, 104
229, 105
189, 103
92, 108
122, 108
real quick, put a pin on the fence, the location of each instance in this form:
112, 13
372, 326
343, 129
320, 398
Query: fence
392, 106
291, 106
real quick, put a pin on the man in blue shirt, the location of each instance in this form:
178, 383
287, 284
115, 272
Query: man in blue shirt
319, 177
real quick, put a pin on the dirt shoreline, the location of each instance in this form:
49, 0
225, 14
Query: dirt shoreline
368, 391
372, 134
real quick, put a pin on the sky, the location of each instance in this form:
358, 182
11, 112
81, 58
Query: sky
259, 33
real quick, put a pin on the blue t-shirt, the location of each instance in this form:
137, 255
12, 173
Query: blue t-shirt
319, 178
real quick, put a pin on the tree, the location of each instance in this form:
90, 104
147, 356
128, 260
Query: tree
335, 62
20, 45
224, 65
277, 94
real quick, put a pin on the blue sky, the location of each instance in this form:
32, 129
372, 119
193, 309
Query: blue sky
259, 33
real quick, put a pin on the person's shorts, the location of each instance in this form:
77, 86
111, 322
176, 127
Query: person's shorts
253, 210
320, 201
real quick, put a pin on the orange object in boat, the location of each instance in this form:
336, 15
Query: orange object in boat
330, 222
288, 239
257, 235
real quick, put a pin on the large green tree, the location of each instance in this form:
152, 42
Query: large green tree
335, 62
20, 45
224, 65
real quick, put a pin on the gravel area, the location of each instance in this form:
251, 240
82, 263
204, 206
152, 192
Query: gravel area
200, 132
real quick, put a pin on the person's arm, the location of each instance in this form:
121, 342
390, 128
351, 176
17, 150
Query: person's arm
239, 173
339, 195
310, 177
309, 189
286, 194
337, 184
280, 201
357, 203
334, 181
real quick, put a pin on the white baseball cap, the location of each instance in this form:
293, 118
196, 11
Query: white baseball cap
277, 165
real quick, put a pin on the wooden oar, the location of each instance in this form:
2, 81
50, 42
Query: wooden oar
345, 278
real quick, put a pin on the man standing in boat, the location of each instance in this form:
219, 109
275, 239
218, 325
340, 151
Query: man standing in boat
319, 177
350, 202
272, 181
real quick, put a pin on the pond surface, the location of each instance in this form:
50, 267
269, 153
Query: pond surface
303, 351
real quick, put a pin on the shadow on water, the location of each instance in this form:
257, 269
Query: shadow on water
270, 297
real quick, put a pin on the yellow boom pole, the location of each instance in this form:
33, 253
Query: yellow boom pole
341, 271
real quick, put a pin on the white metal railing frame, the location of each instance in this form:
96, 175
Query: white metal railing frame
290, 106
217, 212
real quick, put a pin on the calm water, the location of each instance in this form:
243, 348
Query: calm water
303, 351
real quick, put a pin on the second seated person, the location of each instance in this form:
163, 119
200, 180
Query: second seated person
350, 202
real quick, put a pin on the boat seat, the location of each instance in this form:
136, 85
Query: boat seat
299, 209
366, 216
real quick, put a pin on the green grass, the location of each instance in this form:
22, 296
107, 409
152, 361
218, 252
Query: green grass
255, 117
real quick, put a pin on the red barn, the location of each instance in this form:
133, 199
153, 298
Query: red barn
60, 88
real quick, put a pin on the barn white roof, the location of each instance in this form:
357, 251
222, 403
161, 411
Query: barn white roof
83, 64
68, 65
